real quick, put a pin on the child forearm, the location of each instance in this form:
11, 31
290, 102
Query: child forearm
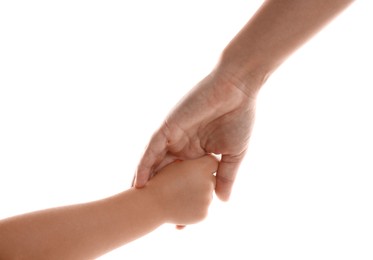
180, 193
83, 231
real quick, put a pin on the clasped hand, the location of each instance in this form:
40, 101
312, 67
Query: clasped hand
216, 116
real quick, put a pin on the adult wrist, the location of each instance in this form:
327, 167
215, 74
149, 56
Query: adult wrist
246, 73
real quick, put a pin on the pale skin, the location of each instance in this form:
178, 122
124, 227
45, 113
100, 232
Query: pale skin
217, 115
179, 194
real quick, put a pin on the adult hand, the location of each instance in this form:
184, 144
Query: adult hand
216, 116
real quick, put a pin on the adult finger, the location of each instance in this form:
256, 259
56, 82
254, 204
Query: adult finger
226, 174
154, 152
167, 159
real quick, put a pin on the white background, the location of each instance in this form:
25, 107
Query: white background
83, 85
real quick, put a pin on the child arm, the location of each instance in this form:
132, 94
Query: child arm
179, 194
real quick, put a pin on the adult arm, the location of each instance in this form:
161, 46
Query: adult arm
217, 115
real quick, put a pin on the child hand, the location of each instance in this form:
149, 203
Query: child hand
184, 189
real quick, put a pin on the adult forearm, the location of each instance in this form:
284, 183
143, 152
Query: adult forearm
276, 30
82, 231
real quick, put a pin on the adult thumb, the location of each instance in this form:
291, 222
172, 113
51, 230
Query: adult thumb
226, 175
